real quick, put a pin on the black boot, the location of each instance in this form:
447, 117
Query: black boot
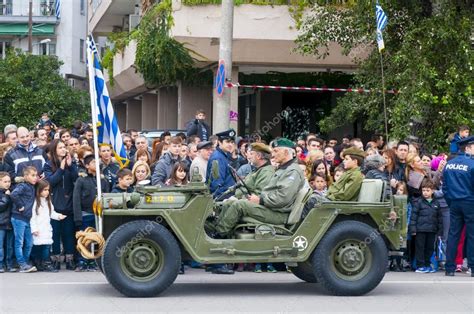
48, 267
223, 270
70, 265
55, 262
38, 264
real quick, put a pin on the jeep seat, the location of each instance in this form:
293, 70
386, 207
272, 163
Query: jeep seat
295, 214
371, 191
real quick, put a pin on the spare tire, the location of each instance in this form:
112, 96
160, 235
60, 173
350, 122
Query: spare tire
350, 259
141, 259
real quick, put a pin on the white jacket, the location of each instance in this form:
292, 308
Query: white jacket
42, 223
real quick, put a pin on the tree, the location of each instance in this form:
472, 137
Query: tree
428, 57
31, 85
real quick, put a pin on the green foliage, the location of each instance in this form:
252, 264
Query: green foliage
428, 56
31, 85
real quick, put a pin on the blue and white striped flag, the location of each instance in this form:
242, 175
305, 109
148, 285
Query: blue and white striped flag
382, 20
57, 8
102, 109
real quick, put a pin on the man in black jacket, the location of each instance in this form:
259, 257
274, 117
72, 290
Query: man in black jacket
198, 127
23, 155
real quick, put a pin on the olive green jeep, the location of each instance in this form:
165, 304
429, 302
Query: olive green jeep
343, 246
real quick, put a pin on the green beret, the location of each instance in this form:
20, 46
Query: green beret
353, 151
260, 147
283, 142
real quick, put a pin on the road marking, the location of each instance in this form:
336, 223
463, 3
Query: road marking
68, 283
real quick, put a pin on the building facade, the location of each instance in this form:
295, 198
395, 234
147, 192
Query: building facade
263, 45
59, 29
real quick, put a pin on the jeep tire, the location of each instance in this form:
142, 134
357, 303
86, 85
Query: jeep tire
304, 271
141, 259
351, 259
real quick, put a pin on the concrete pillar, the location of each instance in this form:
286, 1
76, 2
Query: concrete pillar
134, 114
167, 108
149, 111
234, 100
192, 98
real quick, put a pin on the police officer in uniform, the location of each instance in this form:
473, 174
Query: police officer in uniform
220, 160
458, 188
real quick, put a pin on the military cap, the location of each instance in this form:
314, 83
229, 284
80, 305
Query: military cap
283, 142
466, 141
226, 135
260, 147
206, 144
354, 151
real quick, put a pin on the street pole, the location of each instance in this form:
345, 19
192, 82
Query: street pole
222, 106
30, 28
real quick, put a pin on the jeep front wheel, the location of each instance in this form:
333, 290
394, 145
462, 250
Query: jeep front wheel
351, 259
304, 271
141, 259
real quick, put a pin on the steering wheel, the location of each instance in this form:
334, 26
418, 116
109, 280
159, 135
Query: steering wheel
238, 179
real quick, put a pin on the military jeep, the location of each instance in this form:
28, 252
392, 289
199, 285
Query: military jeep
343, 246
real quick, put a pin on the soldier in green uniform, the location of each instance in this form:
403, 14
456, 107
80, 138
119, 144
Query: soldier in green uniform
274, 203
347, 188
259, 156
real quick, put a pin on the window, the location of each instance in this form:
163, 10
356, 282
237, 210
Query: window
6, 7
81, 50
83, 7
47, 49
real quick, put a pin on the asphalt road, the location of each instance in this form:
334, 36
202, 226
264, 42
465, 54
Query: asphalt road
197, 291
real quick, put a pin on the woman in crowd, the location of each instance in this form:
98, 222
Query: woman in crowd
143, 155
141, 171
61, 172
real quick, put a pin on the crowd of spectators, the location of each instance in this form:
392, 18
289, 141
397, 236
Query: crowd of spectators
48, 185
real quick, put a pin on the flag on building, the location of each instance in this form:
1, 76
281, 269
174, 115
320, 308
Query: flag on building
382, 20
57, 8
103, 115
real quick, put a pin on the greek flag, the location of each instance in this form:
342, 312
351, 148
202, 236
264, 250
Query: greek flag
382, 20
57, 8
102, 110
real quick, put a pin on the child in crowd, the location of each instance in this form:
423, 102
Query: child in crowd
41, 228
425, 223
178, 175
125, 181
463, 132
23, 197
6, 234
319, 185
85, 191
338, 172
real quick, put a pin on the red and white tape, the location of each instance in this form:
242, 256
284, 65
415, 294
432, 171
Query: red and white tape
313, 88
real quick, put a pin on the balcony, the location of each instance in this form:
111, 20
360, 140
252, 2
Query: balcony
17, 11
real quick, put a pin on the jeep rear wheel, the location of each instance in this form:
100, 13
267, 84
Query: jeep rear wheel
351, 259
304, 271
141, 259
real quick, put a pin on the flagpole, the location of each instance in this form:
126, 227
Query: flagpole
93, 94
383, 97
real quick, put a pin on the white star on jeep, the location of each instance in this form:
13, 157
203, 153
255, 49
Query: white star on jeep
300, 243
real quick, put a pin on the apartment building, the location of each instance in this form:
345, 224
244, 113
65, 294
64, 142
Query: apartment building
263, 45
59, 29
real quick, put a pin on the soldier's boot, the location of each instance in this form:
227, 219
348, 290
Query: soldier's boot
223, 269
